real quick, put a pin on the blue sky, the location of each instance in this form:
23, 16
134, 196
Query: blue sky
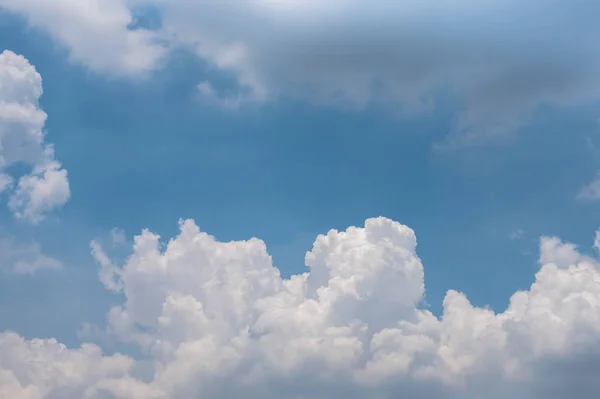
145, 151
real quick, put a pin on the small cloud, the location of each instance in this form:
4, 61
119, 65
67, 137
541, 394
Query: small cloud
591, 191
36, 194
517, 235
25, 259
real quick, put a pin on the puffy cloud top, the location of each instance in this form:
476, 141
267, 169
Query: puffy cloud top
215, 319
22, 141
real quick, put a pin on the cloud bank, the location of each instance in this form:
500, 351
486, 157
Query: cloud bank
504, 59
22, 142
216, 320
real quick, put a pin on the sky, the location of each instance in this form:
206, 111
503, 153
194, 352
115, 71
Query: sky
299, 199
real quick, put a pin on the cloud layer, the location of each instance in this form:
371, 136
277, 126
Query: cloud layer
22, 142
215, 319
503, 58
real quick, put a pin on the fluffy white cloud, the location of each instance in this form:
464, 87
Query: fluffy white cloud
215, 319
41, 191
504, 58
22, 142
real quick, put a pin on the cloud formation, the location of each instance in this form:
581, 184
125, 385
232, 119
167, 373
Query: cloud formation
22, 142
503, 58
215, 319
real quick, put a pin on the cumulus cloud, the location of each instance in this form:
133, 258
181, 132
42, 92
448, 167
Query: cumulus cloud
215, 319
36, 369
503, 58
22, 141
25, 259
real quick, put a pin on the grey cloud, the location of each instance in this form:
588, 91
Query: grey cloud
502, 58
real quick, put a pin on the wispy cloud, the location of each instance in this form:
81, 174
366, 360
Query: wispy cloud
591, 191
517, 235
25, 259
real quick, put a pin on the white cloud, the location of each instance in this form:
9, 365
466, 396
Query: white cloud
36, 369
504, 58
216, 320
46, 188
96, 33
22, 142
24, 259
